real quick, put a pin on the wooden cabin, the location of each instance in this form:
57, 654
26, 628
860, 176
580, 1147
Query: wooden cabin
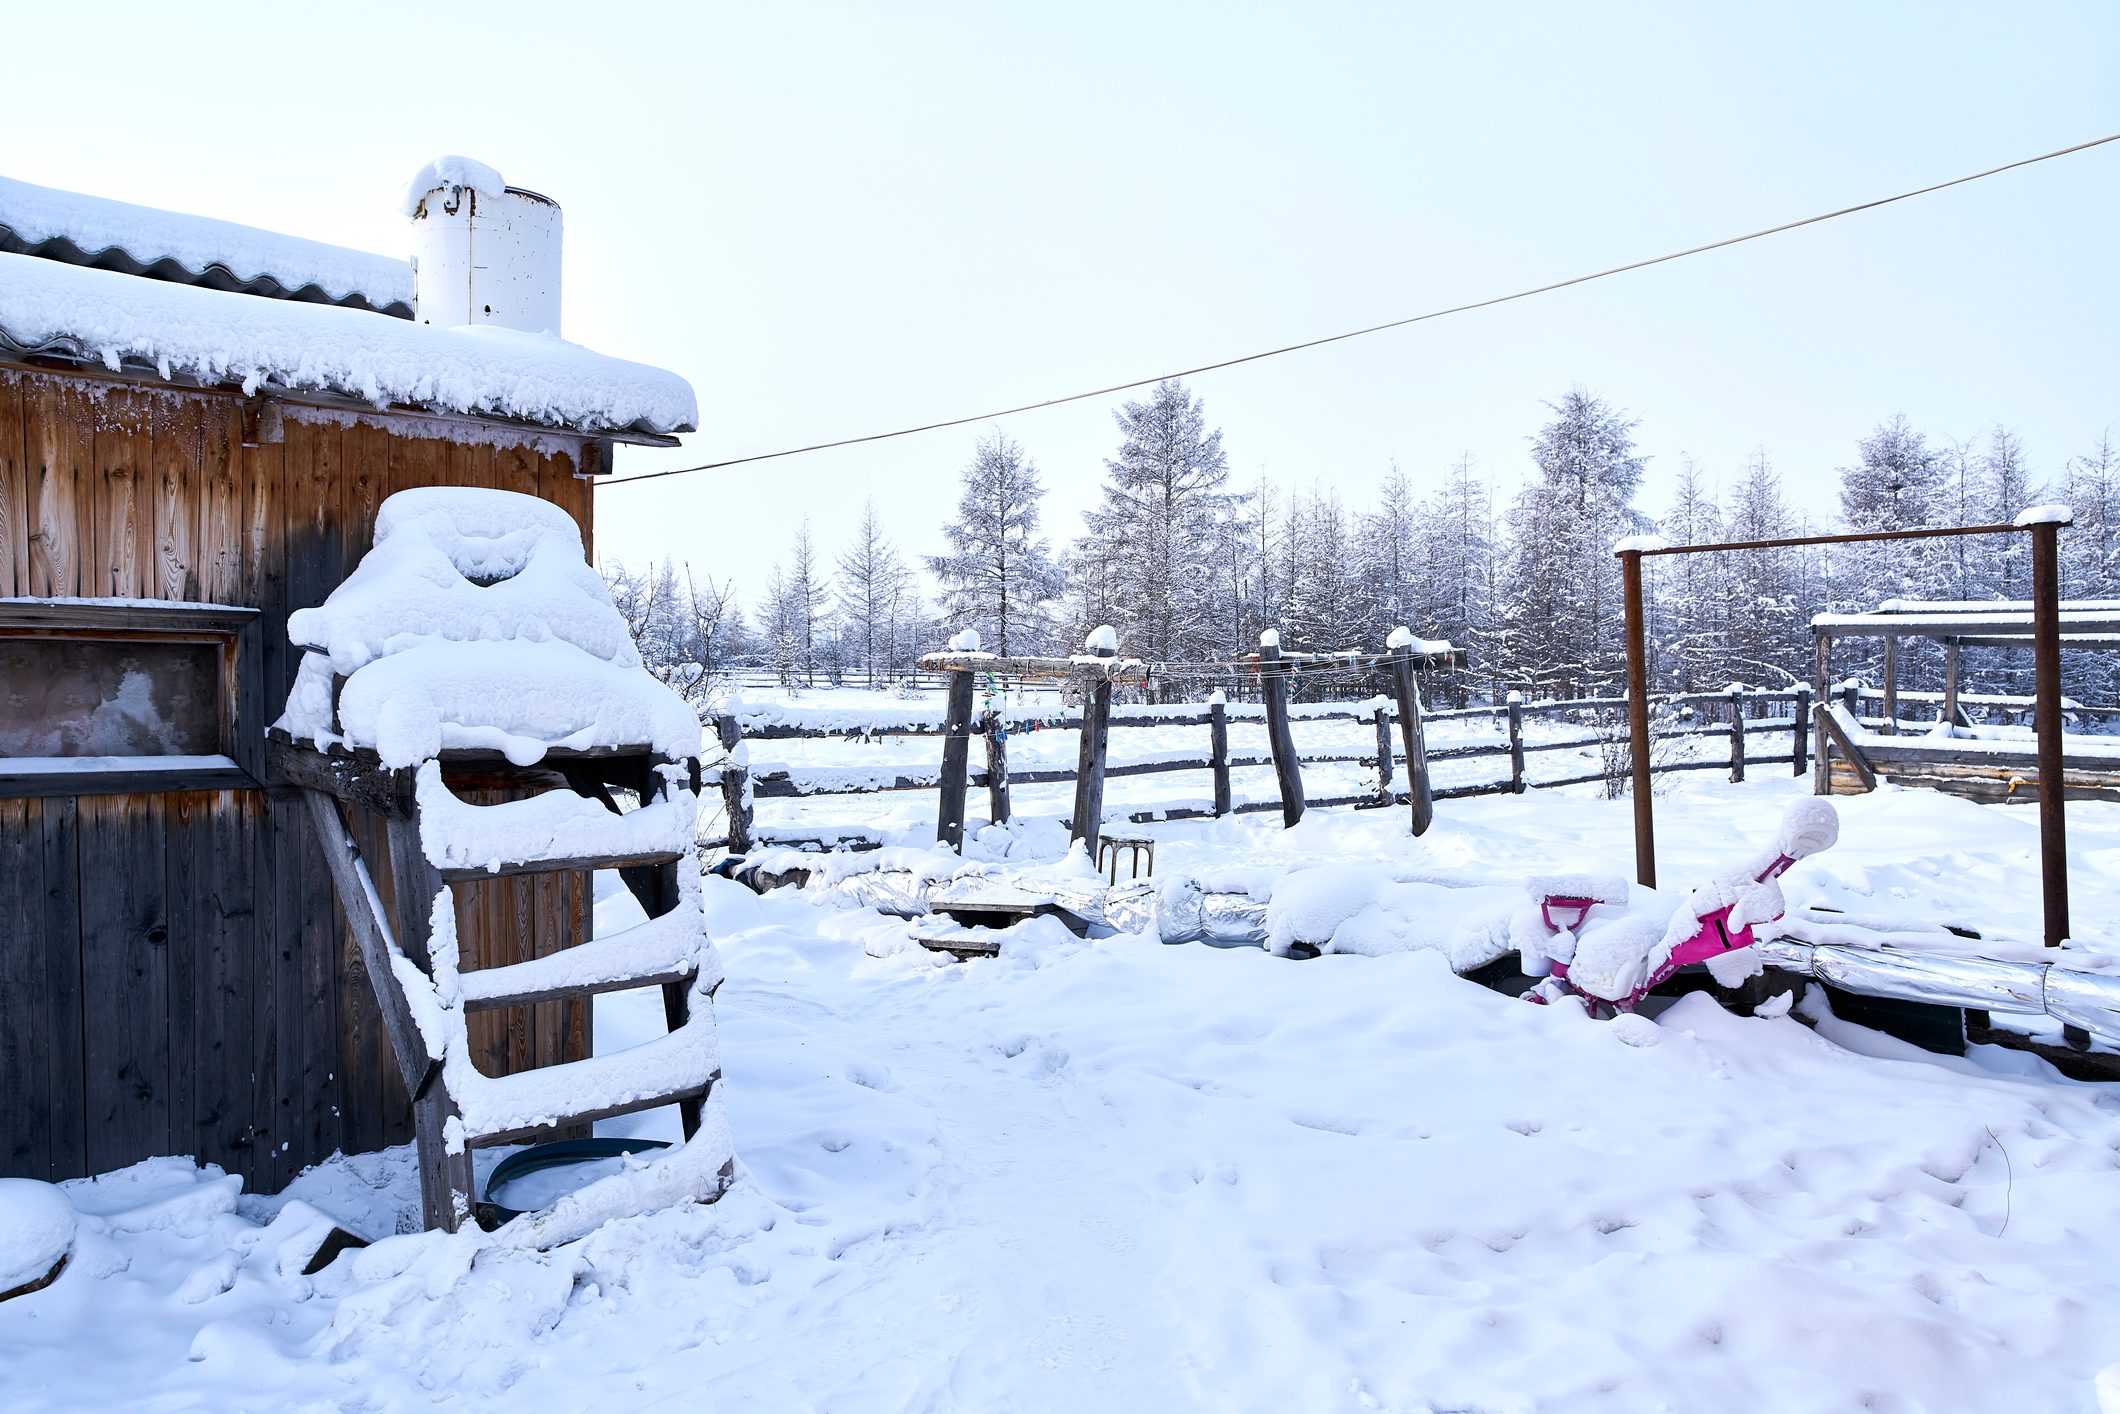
197, 423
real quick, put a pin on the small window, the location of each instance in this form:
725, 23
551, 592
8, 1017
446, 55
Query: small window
104, 695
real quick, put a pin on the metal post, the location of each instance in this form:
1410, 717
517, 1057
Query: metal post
1638, 720
2046, 715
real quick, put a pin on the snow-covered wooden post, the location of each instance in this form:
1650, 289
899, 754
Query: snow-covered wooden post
1383, 725
1950, 682
997, 802
1287, 766
1800, 731
1218, 748
1515, 702
1088, 825
735, 782
1891, 686
1418, 792
1737, 733
956, 748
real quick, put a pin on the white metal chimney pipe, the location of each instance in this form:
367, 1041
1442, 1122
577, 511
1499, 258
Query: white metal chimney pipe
483, 252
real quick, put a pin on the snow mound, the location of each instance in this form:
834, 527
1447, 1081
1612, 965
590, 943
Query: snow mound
36, 1231
475, 622
965, 642
1102, 639
2045, 515
1640, 543
449, 171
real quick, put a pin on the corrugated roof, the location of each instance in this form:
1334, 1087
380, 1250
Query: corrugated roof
188, 334
74, 229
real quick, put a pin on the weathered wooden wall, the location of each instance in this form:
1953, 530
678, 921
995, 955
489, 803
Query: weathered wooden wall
174, 973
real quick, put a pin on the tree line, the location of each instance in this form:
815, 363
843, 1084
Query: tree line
1190, 566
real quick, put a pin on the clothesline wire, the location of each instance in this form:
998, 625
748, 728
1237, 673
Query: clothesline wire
1487, 303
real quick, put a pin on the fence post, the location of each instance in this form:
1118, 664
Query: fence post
1516, 743
1737, 734
1851, 698
1287, 766
1383, 754
1891, 687
1822, 682
1800, 731
997, 803
735, 783
1088, 823
1218, 748
956, 761
1950, 682
1420, 795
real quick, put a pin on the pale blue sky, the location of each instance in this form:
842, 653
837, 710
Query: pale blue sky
839, 218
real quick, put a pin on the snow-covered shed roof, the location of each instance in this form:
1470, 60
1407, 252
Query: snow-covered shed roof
327, 327
196, 250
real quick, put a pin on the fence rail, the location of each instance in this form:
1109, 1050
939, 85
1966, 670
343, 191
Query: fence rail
1744, 721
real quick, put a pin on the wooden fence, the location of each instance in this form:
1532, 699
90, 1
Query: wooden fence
1752, 722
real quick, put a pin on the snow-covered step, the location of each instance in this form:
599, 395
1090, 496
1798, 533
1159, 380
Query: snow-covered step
666, 949
681, 1065
556, 830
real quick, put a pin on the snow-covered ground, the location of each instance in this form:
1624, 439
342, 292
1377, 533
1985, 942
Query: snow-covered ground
1121, 1175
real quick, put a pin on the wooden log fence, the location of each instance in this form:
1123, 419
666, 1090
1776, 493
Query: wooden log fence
957, 776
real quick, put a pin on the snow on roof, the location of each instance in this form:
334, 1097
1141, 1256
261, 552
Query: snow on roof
475, 622
196, 250
211, 337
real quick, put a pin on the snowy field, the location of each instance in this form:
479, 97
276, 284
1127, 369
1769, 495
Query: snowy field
1119, 1175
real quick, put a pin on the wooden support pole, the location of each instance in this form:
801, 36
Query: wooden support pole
956, 761
1822, 684
1516, 743
1737, 736
1891, 687
1287, 766
1638, 720
2046, 713
447, 1190
1218, 751
1800, 731
1419, 792
1950, 682
1088, 823
1849, 751
997, 802
735, 784
1383, 754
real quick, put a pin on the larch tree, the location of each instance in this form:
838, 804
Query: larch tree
1155, 528
873, 585
998, 576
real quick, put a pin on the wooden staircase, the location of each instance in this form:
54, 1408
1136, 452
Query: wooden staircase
435, 841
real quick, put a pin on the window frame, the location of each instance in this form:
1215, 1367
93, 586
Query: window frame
234, 630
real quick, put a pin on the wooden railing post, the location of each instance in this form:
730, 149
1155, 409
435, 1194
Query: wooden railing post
1419, 793
1737, 734
1287, 766
1891, 687
1088, 823
1630, 565
1516, 743
1950, 682
1800, 731
997, 802
735, 783
1383, 725
1218, 749
1822, 683
956, 761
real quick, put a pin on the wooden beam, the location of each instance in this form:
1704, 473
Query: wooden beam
1829, 724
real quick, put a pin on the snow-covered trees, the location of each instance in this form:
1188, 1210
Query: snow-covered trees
1152, 536
998, 576
1560, 623
875, 598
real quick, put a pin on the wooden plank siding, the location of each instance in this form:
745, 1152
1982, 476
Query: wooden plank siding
175, 975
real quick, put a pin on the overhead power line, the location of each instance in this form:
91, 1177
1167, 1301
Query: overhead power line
1370, 329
